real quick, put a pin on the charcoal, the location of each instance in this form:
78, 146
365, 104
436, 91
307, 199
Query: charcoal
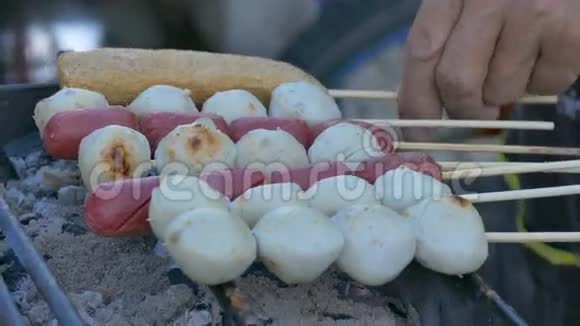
176, 277
52, 179
26, 218
24, 146
71, 195
73, 229
200, 314
14, 197
92, 299
19, 166
36, 159
160, 250
11, 269
128, 281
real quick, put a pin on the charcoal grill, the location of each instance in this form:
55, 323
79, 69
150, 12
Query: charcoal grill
16, 107
414, 287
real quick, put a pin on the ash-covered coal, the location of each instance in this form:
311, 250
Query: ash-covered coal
128, 282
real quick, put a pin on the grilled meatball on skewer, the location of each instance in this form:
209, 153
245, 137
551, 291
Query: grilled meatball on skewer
301, 100
270, 150
345, 142
296, 127
234, 104
378, 243
210, 245
113, 153
177, 194
162, 98
65, 130
297, 244
67, 99
450, 235
196, 147
253, 204
156, 126
332, 194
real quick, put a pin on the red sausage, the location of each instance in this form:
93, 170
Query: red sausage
297, 128
373, 168
384, 139
157, 125
233, 182
120, 208
65, 130
422, 163
306, 177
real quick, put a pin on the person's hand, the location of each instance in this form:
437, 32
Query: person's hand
471, 56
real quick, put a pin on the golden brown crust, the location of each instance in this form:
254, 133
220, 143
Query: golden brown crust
121, 74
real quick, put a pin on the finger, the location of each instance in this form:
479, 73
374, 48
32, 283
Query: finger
558, 65
515, 55
464, 64
418, 95
550, 78
561, 34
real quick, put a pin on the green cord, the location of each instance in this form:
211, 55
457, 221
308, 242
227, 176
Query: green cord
554, 256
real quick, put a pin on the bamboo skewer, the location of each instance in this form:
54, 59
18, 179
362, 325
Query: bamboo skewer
489, 148
391, 96
493, 167
368, 94
483, 124
511, 169
497, 196
465, 165
525, 237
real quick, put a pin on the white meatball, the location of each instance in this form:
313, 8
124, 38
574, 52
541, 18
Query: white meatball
162, 98
234, 104
302, 100
344, 142
177, 194
450, 235
207, 122
196, 148
255, 202
211, 246
402, 187
378, 243
332, 194
297, 244
67, 99
112, 153
270, 150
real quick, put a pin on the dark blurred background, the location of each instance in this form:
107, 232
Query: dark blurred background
33, 31
345, 44
342, 42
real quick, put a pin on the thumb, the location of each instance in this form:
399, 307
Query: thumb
419, 96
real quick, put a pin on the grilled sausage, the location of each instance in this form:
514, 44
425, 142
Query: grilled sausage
65, 130
384, 139
233, 182
306, 177
120, 208
373, 168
